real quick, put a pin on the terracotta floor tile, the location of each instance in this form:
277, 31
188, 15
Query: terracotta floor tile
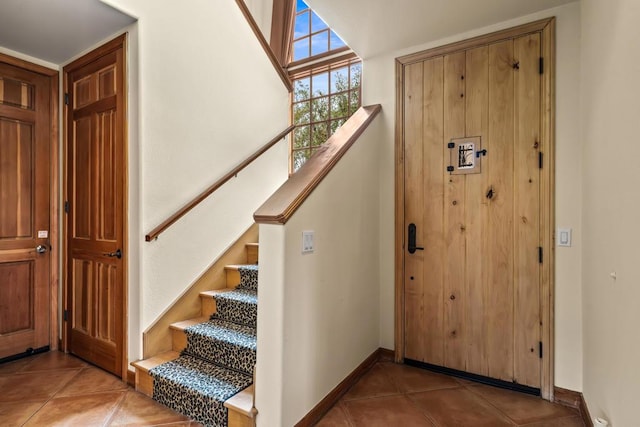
32, 386
559, 422
458, 407
336, 417
73, 411
16, 413
92, 380
375, 383
52, 360
385, 412
522, 408
410, 379
9, 368
140, 410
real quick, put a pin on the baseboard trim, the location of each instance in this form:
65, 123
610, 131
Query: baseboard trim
573, 399
334, 396
131, 378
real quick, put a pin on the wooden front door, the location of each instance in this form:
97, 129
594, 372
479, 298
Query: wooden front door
95, 207
24, 210
472, 209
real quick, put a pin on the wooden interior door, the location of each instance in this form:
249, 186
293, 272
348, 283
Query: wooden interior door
95, 207
24, 210
472, 296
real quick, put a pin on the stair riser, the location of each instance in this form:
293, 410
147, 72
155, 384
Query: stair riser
144, 383
208, 305
222, 353
179, 340
233, 277
252, 254
237, 311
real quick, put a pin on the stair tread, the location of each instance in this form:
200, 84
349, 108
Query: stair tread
212, 293
146, 364
229, 332
242, 402
253, 244
243, 295
206, 378
238, 266
181, 326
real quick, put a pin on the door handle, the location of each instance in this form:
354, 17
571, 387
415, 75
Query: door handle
116, 254
412, 239
41, 249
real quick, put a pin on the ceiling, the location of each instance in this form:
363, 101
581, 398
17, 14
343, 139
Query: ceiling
57, 30
373, 27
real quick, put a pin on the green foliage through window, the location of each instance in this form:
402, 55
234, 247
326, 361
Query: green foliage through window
322, 102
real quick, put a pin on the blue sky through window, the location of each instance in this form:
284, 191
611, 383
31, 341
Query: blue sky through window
311, 35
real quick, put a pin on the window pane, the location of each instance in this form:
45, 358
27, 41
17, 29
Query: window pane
301, 113
335, 124
301, 137
301, 5
320, 109
301, 49
319, 134
299, 157
356, 75
340, 105
336, 42
320, 43
340, 80
354, 102
302, 25
320, 84
317, 24
301, 89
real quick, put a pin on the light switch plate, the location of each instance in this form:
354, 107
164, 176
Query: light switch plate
307, 242
564, 237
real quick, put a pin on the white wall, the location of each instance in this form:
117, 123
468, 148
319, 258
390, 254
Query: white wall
611, 207
208, 97
379, 87
318, 315
262, 11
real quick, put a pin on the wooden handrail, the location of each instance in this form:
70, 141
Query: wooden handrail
265, 45
288, 198
219, 183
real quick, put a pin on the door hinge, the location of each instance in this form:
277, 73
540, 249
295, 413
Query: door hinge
540, 348
541, 65
540, 159
66, 99
65, 315
540, 254
66, 206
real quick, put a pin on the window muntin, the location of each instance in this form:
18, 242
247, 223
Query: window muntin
323, 99
311, 35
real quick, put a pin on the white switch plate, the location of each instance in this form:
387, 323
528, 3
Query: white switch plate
564, 237
307, 242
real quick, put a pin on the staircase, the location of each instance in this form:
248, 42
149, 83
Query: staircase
208, 375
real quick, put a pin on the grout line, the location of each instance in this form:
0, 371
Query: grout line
114, 411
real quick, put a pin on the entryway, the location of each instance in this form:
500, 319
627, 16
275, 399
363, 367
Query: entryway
474, 207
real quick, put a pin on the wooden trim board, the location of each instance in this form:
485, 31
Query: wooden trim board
573, 399
334, 395
290, 196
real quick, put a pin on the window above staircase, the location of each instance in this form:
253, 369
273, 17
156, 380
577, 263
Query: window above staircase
326, 75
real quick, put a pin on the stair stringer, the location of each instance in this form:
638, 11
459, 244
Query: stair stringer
157, 338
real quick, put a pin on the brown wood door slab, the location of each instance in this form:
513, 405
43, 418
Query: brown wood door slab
472, 296
95, 207
24, 210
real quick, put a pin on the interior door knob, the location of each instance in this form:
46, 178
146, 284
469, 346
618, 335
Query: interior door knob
41, 249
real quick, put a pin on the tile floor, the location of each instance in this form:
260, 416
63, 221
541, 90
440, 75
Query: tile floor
54, 389
399, 395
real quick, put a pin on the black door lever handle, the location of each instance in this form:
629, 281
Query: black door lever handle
412, 240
